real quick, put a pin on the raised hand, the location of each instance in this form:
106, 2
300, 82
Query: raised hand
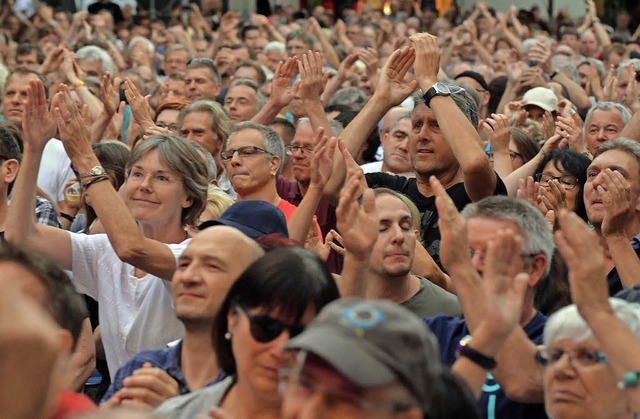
312, 80
619, 207
571, 130
146, 388
73, 124
38, 124
282, 91
322, 159
391, 86
427, 59
139, 105
110, 94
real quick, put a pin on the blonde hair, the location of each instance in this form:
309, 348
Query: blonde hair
217, 201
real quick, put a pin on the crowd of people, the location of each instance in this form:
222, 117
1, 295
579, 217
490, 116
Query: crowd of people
405, 211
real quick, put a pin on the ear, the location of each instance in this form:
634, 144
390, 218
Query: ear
66, 339
217, 87
9, 170
417, 233
275, 165
384, 138
536, 269
214, 182
188, 201
232, 319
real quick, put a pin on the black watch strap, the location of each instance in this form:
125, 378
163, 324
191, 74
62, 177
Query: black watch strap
429, 95
484, 361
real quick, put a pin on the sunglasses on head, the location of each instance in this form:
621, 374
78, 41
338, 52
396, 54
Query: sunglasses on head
265, 328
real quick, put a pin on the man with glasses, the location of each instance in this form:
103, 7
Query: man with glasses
202, 80
514, 387
360, 358
151, 377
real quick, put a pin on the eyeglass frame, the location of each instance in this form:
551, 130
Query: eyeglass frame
544, 361
257, 151
512, 155
290, 149
538, 178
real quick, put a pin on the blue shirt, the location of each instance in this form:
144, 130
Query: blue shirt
167, 359
493, 403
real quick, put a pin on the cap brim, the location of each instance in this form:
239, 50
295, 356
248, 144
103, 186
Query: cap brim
541, 105
248, 231
348, 358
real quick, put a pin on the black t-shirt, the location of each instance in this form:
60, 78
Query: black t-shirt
430, 234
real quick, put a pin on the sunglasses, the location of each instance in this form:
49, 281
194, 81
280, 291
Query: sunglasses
265, 328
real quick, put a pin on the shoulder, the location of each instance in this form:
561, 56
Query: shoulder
195, 403
397, 183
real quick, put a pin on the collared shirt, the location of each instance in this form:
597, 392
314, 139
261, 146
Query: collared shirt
45, 212
167, 359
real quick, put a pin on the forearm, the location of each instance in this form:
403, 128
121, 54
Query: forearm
632, 129
512, 182
267, 113
353, 282
483, 54
502, 163
317, 116
512, 39
426, 267
602, 34
83, 360
577, 94
329, 52
332, 86
99, 126
94, 104
508, 96
300, 222
464, 142
625, 259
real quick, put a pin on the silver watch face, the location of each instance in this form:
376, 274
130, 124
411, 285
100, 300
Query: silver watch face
442, 89
98, 170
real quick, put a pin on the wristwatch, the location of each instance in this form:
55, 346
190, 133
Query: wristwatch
95, 171
486, 362
439, 89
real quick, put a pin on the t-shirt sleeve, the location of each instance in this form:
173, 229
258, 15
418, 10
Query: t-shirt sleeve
385, 180
448, 330
87, 251
501, 188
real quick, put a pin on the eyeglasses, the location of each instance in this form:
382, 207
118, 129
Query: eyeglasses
578, 358
243, 152
301, 386
567, 181
265, 328
512, 155
481, 255
290, 149
206, 61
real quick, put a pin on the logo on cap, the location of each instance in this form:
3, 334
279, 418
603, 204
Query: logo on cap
362, 317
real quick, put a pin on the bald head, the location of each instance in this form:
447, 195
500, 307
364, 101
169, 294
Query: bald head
390, 117
206, 270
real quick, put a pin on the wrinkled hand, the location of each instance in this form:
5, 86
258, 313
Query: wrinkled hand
346, 65
552, 198
53, 60
548, 127
427, 59
584, 256
146, 388
282, 91
73, 124
110, 94
391, 86
571, 130
369, 57
139, 105
542, 55
503, 283
610, 89
633, 90
38, 124
358, 223
454, 253
619, 207
229, 23
499, 132
312, 80
322, 159
512, 108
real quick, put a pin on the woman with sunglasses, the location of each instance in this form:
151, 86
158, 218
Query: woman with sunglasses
578, 380
272, 301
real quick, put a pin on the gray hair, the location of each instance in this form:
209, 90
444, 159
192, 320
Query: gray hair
602, 72
274, 46
208, 64
211, 162
272, 141
260, 99
395, 123
526, 45
150, 47
182, 158
568, 68
537, 237
463, 99
567, 323
350, 96
92, 54
635, 62
336, 126
179, 47
220, 122
627, 145
607, 106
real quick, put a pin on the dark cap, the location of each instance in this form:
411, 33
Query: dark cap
374, 343
476, 76
255, 218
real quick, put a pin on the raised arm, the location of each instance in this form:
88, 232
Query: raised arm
479, 178
21, 228
127, 240
281, 92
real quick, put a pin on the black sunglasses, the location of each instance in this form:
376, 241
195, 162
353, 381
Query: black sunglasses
265, 328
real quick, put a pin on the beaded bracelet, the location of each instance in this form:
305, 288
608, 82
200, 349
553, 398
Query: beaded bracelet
93, 180
630, 380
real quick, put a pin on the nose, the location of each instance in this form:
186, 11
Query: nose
404, 145
398, 235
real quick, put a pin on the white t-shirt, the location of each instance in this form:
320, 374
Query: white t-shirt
373, 167
55, 170
136, 314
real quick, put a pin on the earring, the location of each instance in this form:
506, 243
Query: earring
227, 335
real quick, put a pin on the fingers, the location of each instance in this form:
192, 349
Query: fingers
502, 260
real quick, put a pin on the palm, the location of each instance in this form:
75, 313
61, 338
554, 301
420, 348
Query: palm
38, 124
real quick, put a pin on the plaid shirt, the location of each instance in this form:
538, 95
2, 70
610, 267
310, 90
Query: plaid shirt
45, 212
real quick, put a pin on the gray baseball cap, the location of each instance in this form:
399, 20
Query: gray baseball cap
374, 343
